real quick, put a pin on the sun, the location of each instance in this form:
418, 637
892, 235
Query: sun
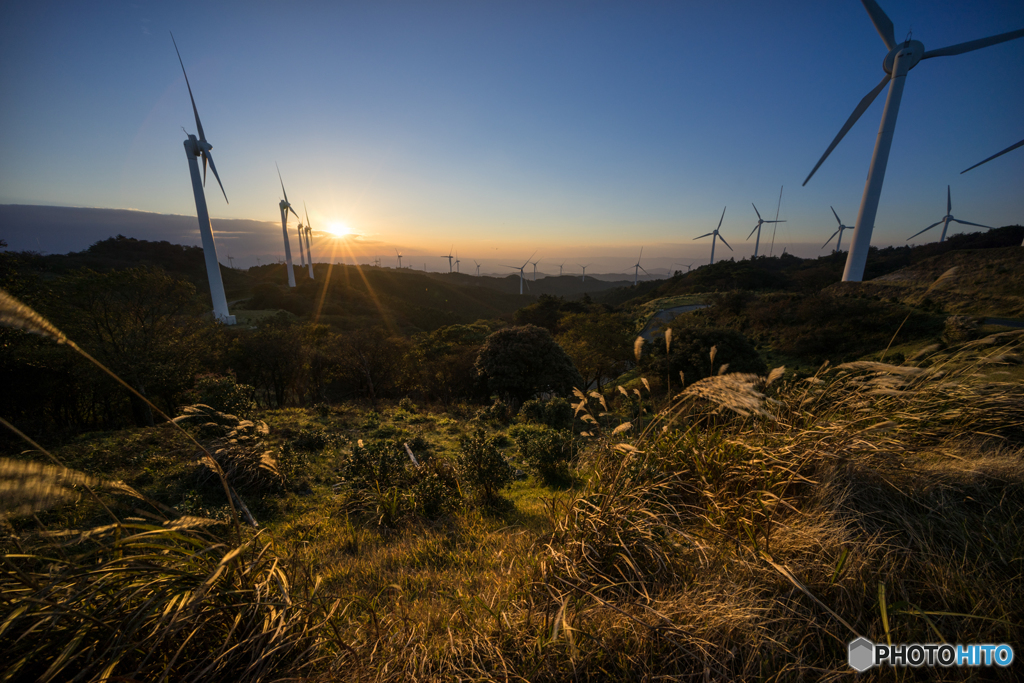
339, 229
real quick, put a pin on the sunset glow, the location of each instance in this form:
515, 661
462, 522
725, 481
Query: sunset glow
339, 229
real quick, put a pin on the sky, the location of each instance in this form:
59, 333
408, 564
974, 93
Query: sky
579, 130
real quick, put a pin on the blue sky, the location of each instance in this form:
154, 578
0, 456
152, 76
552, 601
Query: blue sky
581, 129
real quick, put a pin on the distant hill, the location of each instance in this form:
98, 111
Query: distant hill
793, 274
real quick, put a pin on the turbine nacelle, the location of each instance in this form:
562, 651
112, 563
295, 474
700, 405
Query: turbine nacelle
910, 53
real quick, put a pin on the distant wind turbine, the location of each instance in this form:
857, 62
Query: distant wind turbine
449, 257
231, 260
637, 268
837, 232
302, 253
285, 208
999, 154
757, 228
309, 240
688, 265
947, 219
457, 262
715, 236
522, 278
584, 270
535, 268
477, 268
195, 148
897, 64
560, 268
399, 255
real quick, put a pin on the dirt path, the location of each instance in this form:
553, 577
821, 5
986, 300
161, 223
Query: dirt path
664, 317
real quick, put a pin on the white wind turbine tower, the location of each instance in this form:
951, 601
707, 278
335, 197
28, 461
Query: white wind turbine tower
584, 270
195, 148
902, 57
522, 278
535, 268
285, 208
477, 268
457, 262
637, 267
399, 255
947, 219
715, 236
757, 228
560, 268
302, 254
309, 240
837, 232
449, 257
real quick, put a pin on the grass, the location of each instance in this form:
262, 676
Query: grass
748, 529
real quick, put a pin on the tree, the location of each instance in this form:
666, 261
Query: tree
141, 323
518, 362
597, 343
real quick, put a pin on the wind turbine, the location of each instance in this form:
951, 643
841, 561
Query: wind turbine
309, 240
637, 268
231, 260
399, 255
902, 57
688, 265
477, 268
757, 228
195, 148
457, 262
837, 232
998, 154
716, 236
522, 278
535, 268
285, 208
947, 219
560, 268
449, 257
584, 270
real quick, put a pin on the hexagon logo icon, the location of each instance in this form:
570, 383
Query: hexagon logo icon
861, 654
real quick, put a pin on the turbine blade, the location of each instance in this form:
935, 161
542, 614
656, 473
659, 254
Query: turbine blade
199, 125
775, 221
977, 225
757, 212
830, 239
1008, 149
704, 235
723, 241
861, 108
754, 230
293, 211
972, 45
305, 211
644, 269
837, 217
285, 193
213, 167
949, 201
721, 219
925, 230
883, 24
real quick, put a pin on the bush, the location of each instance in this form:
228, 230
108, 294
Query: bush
959, 329
437, 492
379, 464
556, 413
547, 451
482, 465
226, 395
519, 362
313, 440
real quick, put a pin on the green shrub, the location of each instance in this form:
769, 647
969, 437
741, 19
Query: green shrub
482, 464
226, 395
407, 405
312, 440
556, 413
437, 492
547, 451
378, 464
